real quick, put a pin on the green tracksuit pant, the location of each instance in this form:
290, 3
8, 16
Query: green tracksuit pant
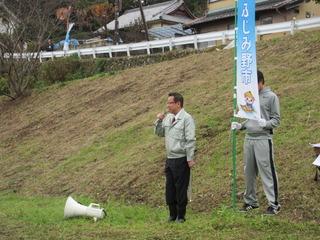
259, 158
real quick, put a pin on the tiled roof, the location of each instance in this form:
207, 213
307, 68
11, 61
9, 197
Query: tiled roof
261, 5
151, 12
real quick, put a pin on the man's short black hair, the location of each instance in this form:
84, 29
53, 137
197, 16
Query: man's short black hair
260, 77
177, 97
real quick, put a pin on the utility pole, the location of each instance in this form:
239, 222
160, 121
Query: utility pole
144, 20
116, 22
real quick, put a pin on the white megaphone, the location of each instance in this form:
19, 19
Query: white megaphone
75, 209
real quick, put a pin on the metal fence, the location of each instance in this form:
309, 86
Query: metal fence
192, 40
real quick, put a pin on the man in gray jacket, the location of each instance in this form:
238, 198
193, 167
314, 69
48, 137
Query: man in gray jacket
258, 150
178, 128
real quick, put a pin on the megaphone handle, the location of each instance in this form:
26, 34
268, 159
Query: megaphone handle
94, 205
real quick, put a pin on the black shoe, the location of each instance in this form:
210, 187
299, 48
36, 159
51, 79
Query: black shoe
172, 213
181, 220
172, 219
272, 210
247, 208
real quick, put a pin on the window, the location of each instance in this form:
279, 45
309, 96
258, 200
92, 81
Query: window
230, 26
308, 14
266, 20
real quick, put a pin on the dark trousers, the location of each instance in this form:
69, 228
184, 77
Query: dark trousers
177, 180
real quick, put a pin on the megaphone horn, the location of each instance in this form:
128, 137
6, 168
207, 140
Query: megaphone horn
75, 209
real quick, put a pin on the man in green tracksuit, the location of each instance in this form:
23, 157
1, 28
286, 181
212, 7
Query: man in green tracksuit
178, 128
258, 150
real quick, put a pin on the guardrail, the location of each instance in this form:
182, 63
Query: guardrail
195, 40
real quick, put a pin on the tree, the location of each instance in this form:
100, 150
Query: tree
102, 13
317, 1
197, 7
28, 26
82, 14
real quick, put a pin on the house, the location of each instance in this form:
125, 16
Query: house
220, 14
158, 15
169, 31
3, 25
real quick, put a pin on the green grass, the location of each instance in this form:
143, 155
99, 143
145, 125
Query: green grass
42, 218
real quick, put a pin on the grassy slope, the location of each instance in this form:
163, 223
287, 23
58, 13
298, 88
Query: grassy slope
94, 137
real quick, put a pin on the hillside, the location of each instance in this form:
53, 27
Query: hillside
94, 137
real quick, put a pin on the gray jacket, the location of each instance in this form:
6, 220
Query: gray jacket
179, 136
270, 111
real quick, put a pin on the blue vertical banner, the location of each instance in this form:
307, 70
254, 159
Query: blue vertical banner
67, 39
248, 105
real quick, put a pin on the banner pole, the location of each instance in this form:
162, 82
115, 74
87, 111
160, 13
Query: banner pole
234, 136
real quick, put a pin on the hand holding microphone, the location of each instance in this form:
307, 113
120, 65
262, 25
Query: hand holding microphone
161, 116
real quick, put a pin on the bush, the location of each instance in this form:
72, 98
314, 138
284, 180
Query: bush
71, 68
4, 89
59, 70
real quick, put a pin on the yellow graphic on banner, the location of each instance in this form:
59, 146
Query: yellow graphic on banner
249, 100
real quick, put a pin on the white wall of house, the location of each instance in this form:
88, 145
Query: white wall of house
308, 10
218, 4
3, 27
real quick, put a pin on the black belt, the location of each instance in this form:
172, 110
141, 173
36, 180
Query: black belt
177, 159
